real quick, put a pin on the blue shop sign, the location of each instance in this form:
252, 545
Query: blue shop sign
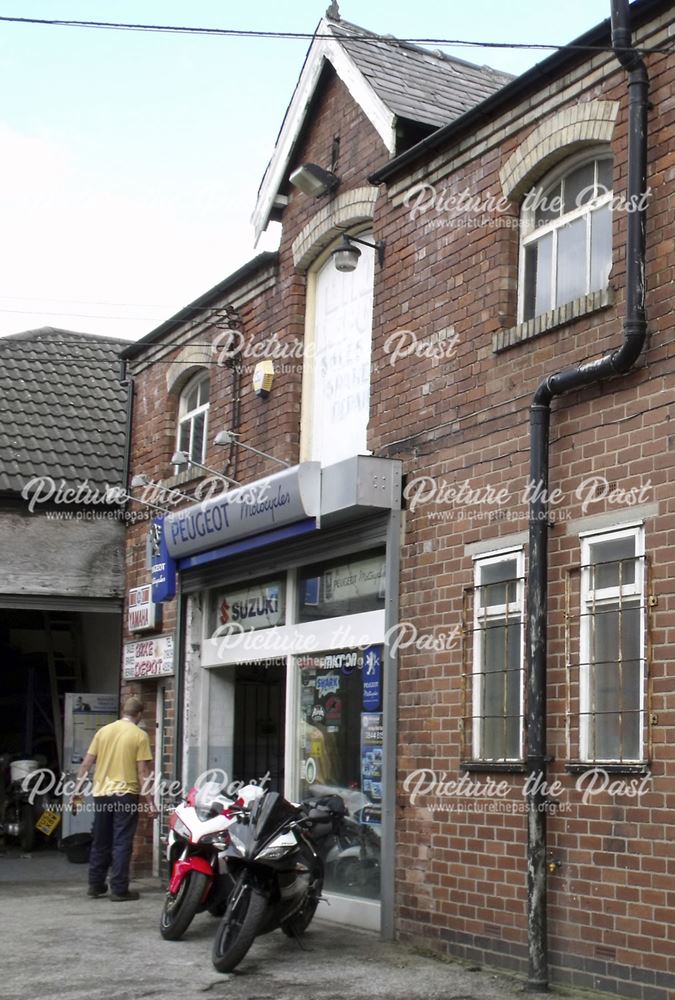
277, 500
372, 678
163, 564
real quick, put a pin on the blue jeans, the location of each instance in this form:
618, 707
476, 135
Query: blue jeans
115, 821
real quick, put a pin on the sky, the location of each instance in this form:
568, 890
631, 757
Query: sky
130, 161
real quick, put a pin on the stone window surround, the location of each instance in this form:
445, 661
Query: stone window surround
538, 325
191, 360
347, 210
556, 139
187, 363
567, 132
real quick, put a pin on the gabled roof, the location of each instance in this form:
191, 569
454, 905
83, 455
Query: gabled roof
418, 84
390, 80
62, 409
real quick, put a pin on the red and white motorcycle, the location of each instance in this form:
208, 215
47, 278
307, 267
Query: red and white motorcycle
197, 842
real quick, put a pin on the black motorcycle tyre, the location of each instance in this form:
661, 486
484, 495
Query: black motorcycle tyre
174, 923
238, 928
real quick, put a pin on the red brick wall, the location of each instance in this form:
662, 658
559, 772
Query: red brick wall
461, 879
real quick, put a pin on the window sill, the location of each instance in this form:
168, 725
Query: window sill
182, 479
498, 766
611, 767
504, 339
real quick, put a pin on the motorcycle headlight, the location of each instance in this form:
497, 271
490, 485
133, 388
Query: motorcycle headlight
217, 839
274, 853
181, 829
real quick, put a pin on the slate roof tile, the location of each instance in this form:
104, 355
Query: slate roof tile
422, 85
62, 408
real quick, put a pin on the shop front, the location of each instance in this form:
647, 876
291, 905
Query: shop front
287, 669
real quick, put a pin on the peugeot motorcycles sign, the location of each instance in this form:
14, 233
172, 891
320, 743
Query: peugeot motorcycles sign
277, 500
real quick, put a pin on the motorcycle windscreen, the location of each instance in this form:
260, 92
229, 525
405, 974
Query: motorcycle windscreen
243, 834
272, 812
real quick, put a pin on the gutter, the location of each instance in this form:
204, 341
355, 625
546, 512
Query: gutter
195, 308
127, 380
616, 363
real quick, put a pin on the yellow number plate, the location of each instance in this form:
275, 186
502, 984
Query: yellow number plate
48, 822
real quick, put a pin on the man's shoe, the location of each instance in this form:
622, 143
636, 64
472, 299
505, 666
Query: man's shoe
122, 897
97, 890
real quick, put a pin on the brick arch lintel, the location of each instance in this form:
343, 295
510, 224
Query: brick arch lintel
587, 124
348, 209
193, 358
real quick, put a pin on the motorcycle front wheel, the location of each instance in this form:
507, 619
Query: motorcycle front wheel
238, 928
179, 910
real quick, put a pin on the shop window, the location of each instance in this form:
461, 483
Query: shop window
248, 607
340, 744
612, 661
336, 387
193, 418
498, 634
566, 237
342, 588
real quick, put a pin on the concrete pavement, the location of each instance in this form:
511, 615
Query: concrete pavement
59, 944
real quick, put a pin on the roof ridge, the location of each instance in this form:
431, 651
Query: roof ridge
438, 54
39, 333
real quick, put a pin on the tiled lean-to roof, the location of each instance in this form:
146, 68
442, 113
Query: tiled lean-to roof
62, 409
422, 85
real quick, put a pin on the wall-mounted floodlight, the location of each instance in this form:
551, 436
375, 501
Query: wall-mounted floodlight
313, 180
230, 437
182, 461
140, 480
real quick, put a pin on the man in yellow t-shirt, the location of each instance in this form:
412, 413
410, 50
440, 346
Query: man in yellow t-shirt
121, 752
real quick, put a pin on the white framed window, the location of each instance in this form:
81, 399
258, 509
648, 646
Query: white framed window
193, 418
566, 236
498, 651
612, 646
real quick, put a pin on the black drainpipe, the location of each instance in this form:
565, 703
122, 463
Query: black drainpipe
618, 362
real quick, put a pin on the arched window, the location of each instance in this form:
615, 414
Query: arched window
566, 236
193, 418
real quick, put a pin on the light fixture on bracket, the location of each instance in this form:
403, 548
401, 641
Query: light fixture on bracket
346, 255
141, 480
180, 460
230, 437
314, 180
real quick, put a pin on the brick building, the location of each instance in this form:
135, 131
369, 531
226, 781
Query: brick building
342, 642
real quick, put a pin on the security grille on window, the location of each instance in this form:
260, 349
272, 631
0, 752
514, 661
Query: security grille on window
193, 413
497, 696
566, 238
612, 647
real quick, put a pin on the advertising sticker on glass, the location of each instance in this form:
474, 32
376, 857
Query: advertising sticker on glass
343, 588
260, 605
